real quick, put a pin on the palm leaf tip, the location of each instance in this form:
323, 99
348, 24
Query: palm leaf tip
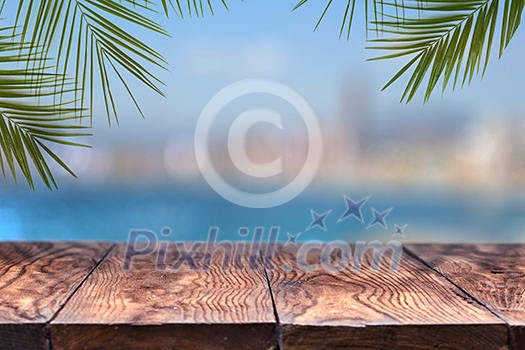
191, 8
33, 115
93, 42
373, 12
450, 40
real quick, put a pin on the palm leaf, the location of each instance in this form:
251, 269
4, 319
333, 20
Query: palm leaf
191, 8
448, 40
91, 38
451, 40
27, 124
347, 10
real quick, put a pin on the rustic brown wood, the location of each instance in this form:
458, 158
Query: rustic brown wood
493, 274
223, 307
411, 308
35, 281
230, 307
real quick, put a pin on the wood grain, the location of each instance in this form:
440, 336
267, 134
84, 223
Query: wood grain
43, 306
223, 307
411, 308
493, 274
35, 281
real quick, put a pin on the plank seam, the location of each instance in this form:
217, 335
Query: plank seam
48, 323
422, 261
274, 305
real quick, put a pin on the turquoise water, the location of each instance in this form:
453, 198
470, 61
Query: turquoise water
109, 213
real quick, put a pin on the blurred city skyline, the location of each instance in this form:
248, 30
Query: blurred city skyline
469, 152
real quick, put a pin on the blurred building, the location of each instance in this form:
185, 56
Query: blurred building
451, 149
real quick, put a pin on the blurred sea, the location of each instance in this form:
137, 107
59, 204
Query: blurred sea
108, 213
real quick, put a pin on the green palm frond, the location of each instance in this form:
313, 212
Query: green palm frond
450, 40
28, 124
372, 9
92, 41
197, 8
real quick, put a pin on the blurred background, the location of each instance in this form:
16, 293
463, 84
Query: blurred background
452, 169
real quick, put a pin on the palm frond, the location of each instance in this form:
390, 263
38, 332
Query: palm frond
197, 8
449, 40
446, 39
91, 39
372, 11
28, 124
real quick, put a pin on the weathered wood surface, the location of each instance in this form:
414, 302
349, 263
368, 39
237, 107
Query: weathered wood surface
36, 280
411, 308
493, 274
77, 296
223, 307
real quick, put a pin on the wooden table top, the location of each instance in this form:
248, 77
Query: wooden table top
72, 295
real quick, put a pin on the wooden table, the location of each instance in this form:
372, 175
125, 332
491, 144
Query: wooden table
78, 296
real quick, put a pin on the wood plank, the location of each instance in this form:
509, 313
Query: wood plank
411, 308
35, 281
223, 307
494, 274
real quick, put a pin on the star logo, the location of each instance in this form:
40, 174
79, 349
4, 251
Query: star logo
292, 239
353, 208
400, 230
379, 218
318, 220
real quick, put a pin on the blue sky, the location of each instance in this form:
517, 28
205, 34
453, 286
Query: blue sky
264, 39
